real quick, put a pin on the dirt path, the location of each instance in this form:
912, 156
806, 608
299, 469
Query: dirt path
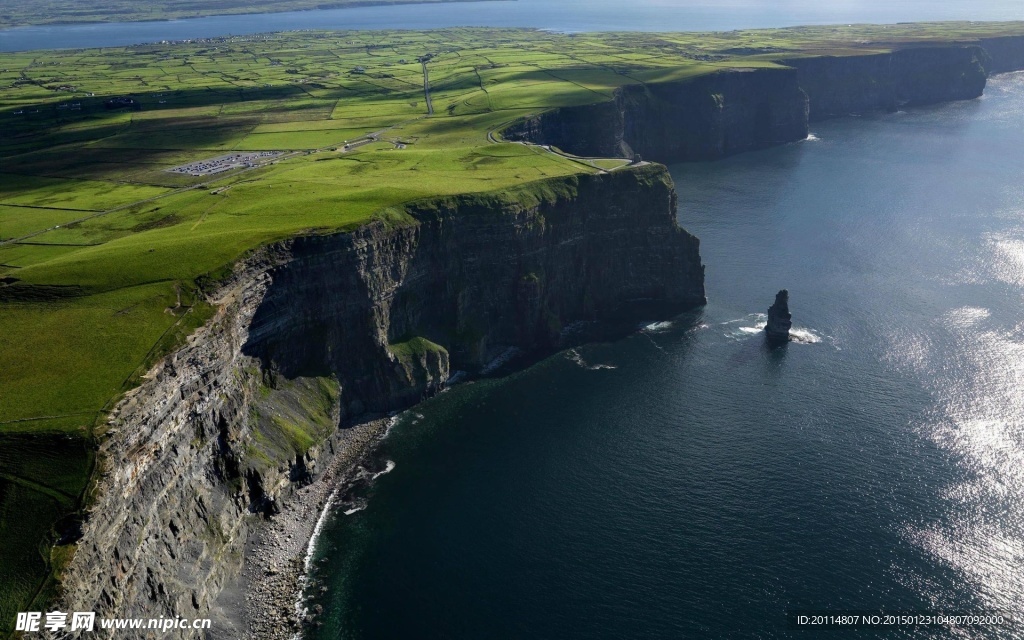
426, 89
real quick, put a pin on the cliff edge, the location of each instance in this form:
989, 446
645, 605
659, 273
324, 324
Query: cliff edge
321, 332
912, 77
720, 114
703, 118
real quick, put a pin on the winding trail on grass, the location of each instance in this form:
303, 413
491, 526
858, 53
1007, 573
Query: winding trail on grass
581, 160
426, 89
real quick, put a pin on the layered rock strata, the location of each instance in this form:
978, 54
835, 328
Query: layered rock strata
724, 113
1005, 53
704, 118
322, 331
843, 85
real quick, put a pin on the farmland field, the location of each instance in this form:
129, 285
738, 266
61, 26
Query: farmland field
102, 249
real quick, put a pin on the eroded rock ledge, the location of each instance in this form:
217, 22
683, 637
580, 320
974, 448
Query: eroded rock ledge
330, 330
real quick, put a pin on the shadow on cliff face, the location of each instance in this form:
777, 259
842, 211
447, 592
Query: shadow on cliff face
473, 279
706, 117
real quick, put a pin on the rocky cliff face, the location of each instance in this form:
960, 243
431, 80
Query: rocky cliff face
319, 330
705, 118
842, 85
721, 114
472, 277
1005, 53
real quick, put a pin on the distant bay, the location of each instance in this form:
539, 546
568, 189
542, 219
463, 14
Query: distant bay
565, 15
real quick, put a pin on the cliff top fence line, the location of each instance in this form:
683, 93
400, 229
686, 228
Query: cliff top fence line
107, 258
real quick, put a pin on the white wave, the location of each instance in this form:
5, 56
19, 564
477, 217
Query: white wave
658, 326
311, 546
754, 324
575, 356
392, 421
388, 468
744, 328
307, 562
761, 318
804, 336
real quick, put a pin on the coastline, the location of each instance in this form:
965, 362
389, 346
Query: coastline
273, 559
268, 592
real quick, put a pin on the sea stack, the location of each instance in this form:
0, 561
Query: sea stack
780, 320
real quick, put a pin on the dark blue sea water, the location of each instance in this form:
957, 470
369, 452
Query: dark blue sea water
561, 15
688, 482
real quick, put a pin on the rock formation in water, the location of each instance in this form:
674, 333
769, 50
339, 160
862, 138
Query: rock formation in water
780, 320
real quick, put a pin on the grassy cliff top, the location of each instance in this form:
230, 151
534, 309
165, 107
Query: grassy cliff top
106, 244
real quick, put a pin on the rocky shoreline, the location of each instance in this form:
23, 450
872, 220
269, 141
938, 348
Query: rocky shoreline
273, 574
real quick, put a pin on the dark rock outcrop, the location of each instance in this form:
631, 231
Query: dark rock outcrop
843, 85
704, 118
1005, 53
316, 330
724, 113
476, 276
780, 320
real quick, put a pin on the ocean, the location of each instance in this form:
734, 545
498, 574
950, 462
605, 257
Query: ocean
561, 15
689, 481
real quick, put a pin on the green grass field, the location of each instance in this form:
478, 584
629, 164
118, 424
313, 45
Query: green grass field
102, 249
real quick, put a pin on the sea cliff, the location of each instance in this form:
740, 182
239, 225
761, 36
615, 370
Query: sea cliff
463, 280
843, 85
1005, 53
704, 118
728, 112
318, 334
